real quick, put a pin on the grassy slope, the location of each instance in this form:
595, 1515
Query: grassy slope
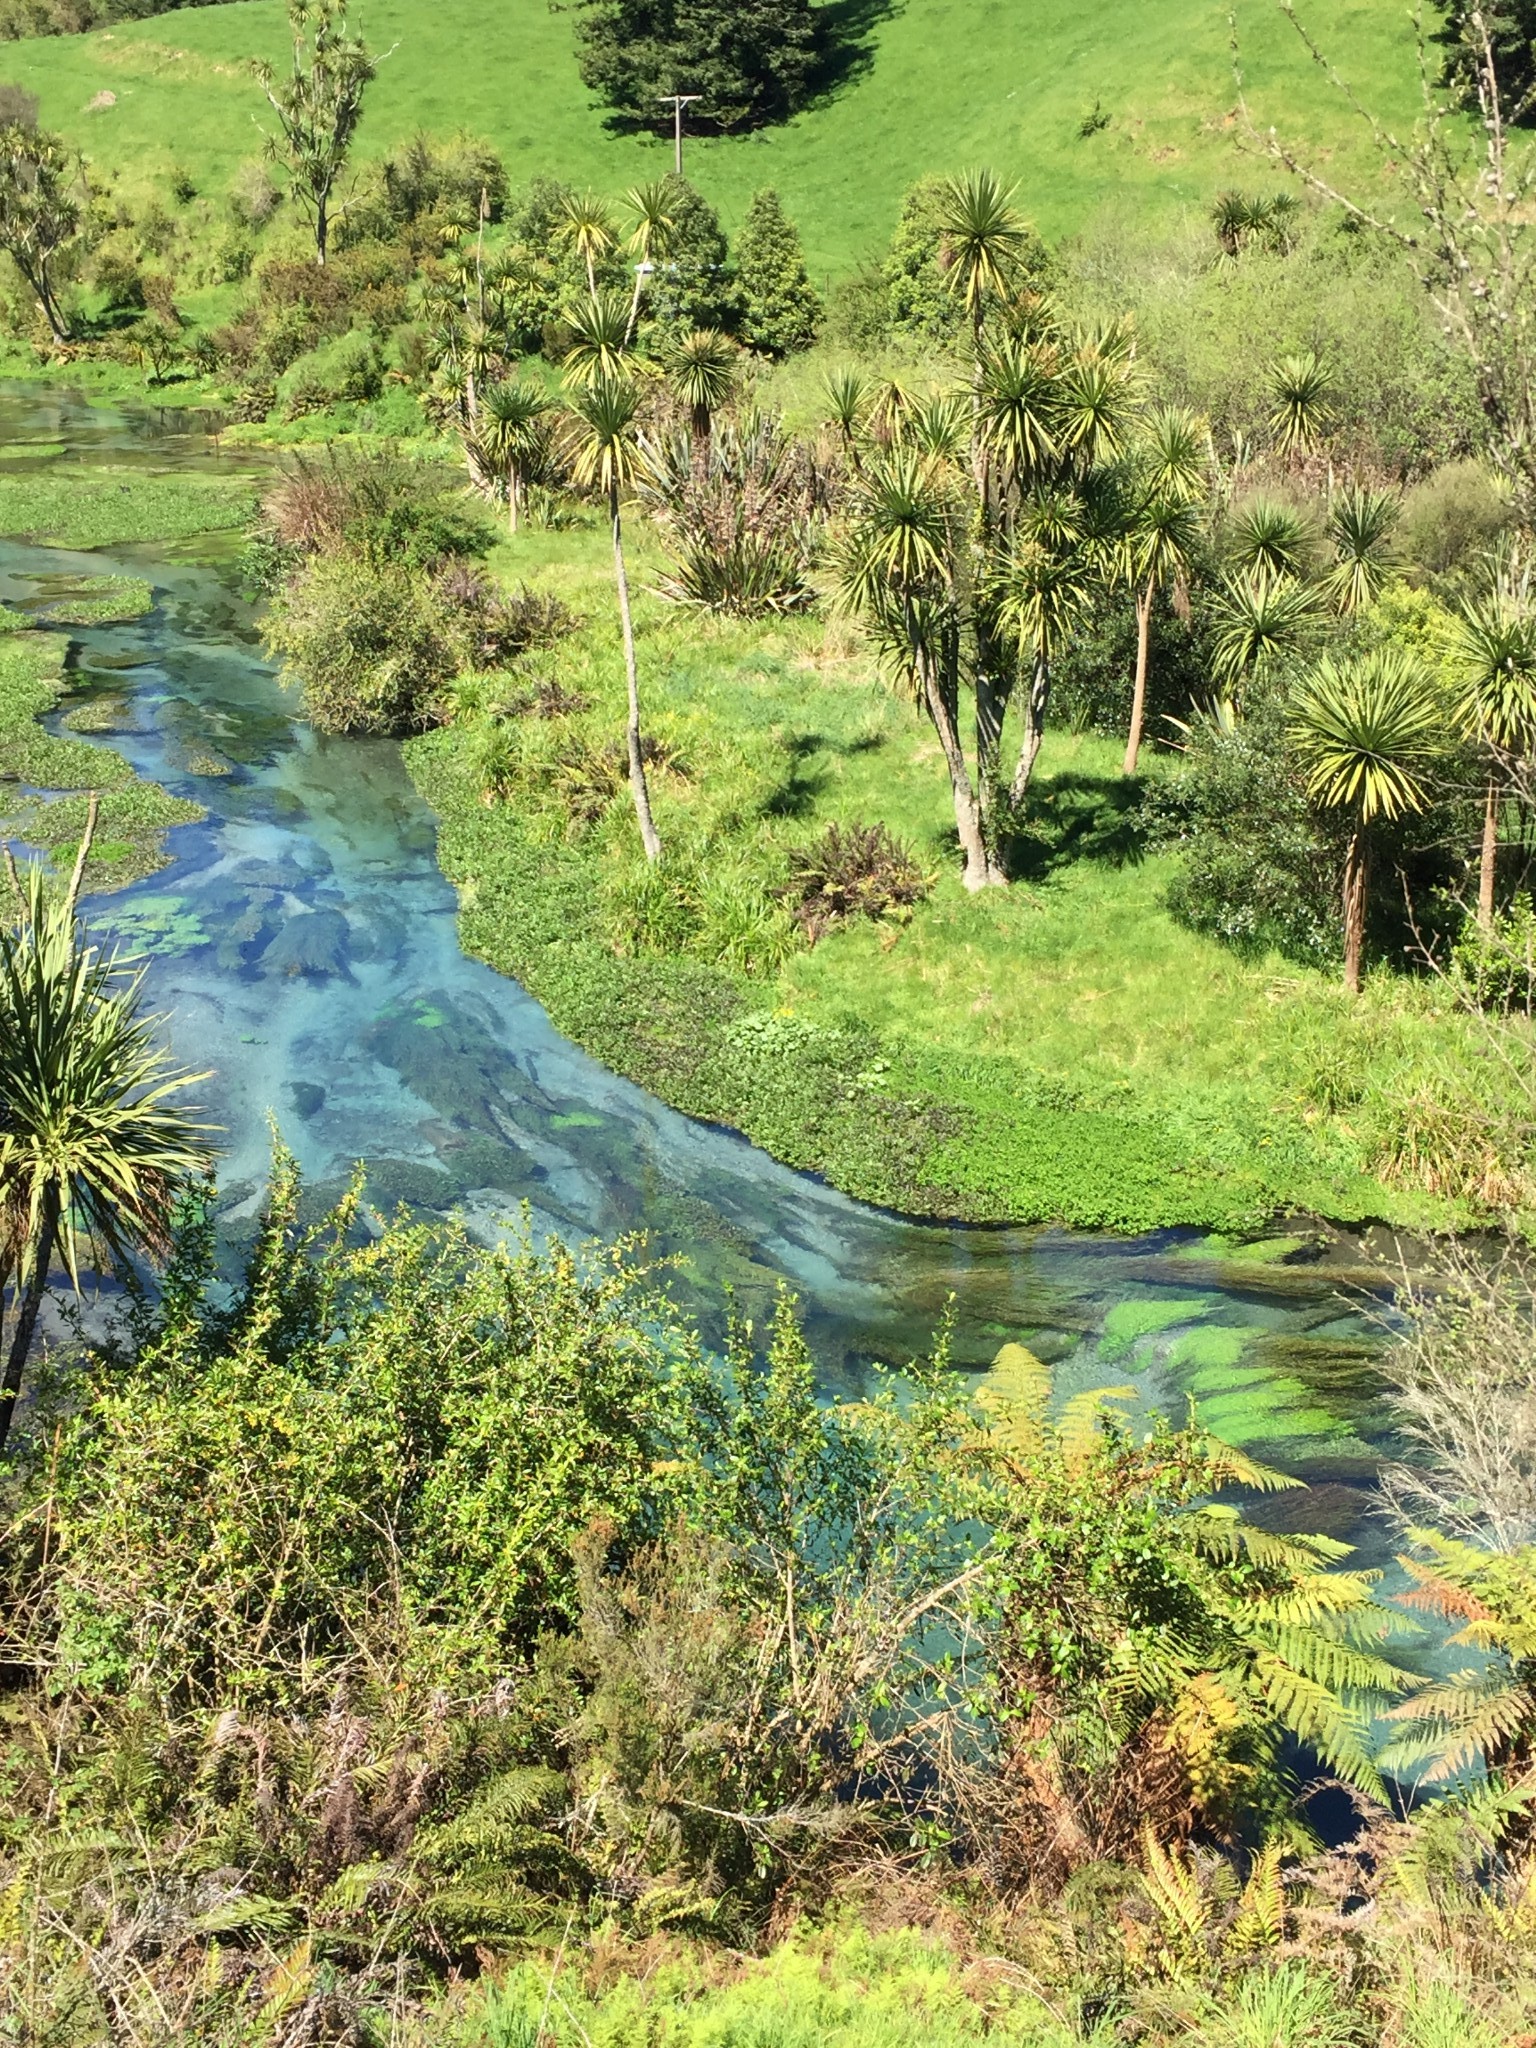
1059, 1050
949, 83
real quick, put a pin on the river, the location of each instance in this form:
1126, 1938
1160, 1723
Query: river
304, 946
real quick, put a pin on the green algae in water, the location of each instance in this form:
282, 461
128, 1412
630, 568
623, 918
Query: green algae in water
1128, 1320
101, 507
164, 925
1238, 1397
100, 601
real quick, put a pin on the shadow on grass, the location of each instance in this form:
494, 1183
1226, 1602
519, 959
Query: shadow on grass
849, 27
1072, 817
797, 794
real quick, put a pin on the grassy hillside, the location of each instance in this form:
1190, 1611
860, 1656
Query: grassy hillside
943, 84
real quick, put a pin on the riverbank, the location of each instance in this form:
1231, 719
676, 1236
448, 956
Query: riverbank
44, 775
1059, 1051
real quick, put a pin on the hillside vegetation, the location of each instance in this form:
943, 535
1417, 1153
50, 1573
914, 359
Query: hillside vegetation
942, 84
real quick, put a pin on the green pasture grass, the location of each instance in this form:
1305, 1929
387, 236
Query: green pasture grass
947, 84
1059, 1049
106, 507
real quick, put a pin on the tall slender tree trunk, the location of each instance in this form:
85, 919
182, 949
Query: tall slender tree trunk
322, 226
980, 870
1357, 874
27, 1310
992, 692
514, 492
699, 437
1139, 692
1488, 869
1036, 704
637, 783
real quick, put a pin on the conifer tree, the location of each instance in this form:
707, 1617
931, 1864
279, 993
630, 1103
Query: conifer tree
750, 61
780, 309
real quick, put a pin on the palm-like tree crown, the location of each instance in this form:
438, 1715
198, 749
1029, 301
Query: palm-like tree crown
1301, 401
1494, 658
586, 227
902, 534
1361, 524
92, 1148
1018, 406
1268, 538
703, 370
600, 327
1171, 454
1258, 618
514, 425
984, 236
653, 208
604, 451
1364, 731
847, 396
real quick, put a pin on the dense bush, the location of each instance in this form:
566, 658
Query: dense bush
1259, 868
371, 642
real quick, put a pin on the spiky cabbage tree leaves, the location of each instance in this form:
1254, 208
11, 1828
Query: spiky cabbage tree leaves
41, 187
702, 372
901, 566
1302, 406
1364, 731
514, 437
1167, 480
318, 106
985, 237
1493, 657
1361, 526
93, 1150
604, 454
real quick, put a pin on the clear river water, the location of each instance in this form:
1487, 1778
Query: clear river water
304, 947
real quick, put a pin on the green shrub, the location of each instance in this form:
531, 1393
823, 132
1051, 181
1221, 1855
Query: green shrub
349, 367
370, 642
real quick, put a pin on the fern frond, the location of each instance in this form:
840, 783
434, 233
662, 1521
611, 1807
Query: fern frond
1231, 1467
1014, 1396
1081, 1422
1314, 1715
1173, 1890
1260, 1918
1328, 1662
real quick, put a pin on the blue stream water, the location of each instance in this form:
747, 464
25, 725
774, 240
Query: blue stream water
305, 948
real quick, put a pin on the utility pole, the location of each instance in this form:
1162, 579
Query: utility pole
677, 101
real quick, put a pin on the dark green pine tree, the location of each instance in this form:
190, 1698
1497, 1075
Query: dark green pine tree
1511, 26
780, 309
750, 61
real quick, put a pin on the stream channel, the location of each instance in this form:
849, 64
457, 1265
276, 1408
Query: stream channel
304, 947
